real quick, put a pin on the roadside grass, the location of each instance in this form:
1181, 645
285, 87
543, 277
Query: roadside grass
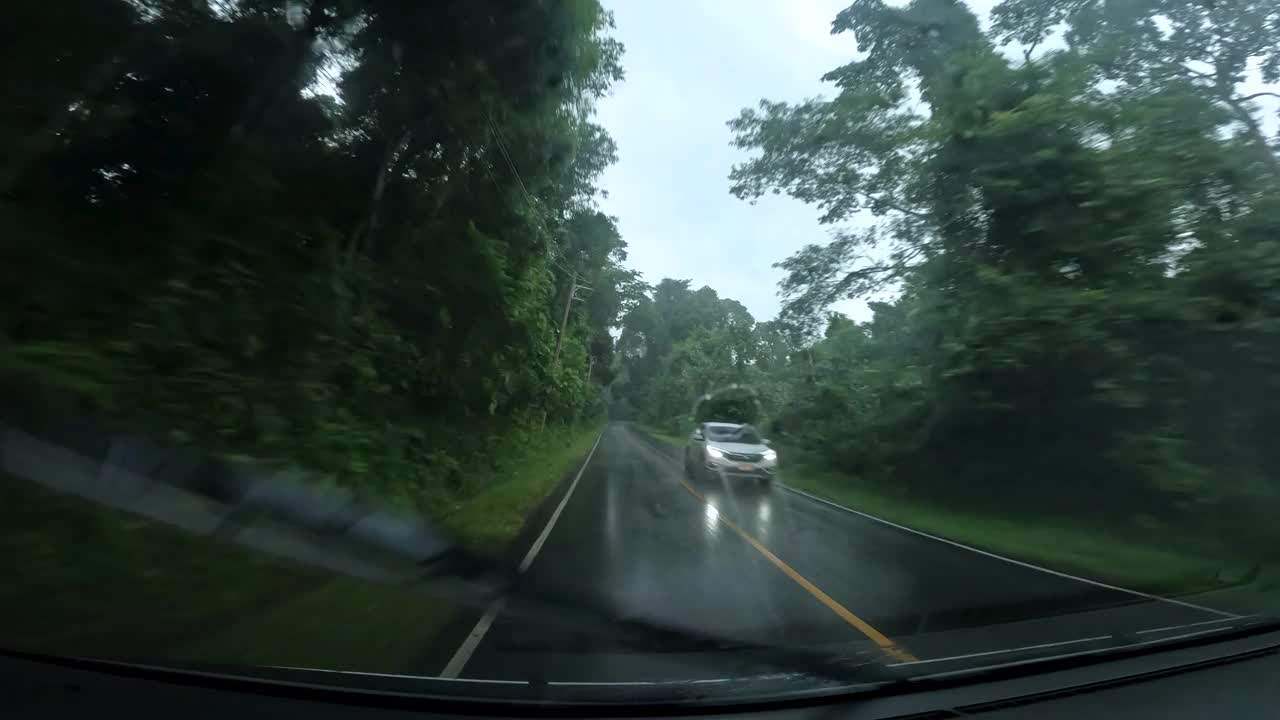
492, 518
1145, 562
85, 580
343, 624
81, 579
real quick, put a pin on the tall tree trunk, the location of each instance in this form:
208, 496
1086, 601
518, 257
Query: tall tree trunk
392, 160
1255, 134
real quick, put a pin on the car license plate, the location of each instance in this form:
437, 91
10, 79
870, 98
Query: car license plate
746, 467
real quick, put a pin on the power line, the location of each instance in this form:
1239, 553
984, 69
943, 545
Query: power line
550, 257
530, 200
488, 171
321, 69
502, 148
503, 145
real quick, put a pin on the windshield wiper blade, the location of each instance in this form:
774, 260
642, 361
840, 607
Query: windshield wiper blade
1157, 648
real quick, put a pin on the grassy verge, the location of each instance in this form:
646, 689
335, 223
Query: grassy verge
494, 516
1155, 564
342, 624
81, 579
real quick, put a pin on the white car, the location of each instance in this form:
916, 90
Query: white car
729, 451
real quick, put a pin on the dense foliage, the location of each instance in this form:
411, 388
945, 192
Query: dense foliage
678, 344
340, 234
1078, 214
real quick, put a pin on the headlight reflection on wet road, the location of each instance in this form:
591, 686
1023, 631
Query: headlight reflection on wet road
711, 518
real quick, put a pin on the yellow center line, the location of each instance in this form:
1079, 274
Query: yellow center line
888, 646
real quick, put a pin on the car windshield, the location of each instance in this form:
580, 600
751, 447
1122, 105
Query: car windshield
374, 335
744, 435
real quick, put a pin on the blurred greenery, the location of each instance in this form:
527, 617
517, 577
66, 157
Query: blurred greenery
356, 241
341, 236
82, 579
342, 625
85, 580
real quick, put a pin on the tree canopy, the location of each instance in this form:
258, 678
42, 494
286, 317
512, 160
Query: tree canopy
339, 234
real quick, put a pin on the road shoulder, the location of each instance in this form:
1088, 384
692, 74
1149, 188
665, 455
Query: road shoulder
524, 546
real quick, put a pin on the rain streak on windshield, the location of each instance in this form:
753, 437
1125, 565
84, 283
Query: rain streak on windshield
363, 335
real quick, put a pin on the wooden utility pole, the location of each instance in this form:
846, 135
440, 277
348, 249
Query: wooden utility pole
574, 287
564, 319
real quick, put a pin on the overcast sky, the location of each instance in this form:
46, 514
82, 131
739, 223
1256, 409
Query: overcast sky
691, 65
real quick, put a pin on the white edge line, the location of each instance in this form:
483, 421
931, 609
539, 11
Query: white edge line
394, 675
1073, 642
1017, 663
1139, 593
468, 647
551, 523
703, 681
469, 644
1194, 624
485, 681
1001, 652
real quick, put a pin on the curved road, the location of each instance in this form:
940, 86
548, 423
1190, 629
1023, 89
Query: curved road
779, 568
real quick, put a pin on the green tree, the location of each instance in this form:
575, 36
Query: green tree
331, 233
1050, 236
1206, 47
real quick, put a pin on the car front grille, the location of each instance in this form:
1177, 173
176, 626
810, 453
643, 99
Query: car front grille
744, 457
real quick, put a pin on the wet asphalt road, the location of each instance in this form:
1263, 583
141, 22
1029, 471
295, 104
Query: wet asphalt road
769, 566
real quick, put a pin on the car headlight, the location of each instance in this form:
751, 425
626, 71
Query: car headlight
770, 455
716, 453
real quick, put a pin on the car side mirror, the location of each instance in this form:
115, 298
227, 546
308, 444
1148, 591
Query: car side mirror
697, 435
767, 442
